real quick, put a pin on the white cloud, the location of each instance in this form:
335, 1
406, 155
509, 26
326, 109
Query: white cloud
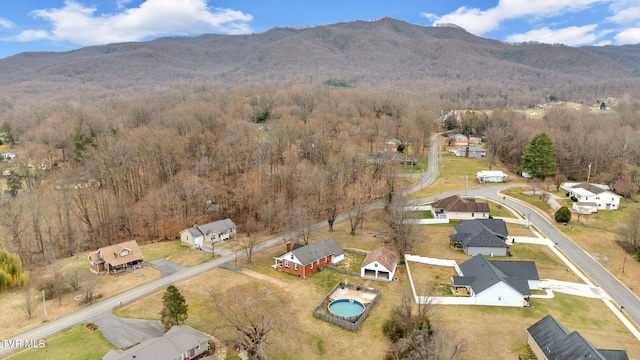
628, 36
81, 25
4, 23
479, 21
625, 12
572, 35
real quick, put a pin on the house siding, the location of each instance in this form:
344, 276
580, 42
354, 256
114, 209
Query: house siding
487, 251
304, 270
500, 294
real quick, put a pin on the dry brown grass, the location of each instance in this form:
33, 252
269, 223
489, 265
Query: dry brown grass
13, 316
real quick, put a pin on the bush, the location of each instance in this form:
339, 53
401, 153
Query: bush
563, 214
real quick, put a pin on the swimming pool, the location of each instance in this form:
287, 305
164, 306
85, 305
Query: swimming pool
348, 309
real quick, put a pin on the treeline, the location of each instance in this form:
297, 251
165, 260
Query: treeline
606, 141
266, 157
146, 168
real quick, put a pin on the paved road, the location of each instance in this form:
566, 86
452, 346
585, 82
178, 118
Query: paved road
616, 290
599, 275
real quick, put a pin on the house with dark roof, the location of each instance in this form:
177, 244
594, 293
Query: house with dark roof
180, 342
458, 208
586, 192
549, 340
481, 236
379, 264
496, 282
116, 258
307, 259
198, 236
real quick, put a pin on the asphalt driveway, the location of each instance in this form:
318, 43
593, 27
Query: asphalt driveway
165, 266
123, 332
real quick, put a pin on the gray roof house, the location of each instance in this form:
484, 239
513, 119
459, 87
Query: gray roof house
496, 282
304, 260
198, 236
481, 236
180, 342
548, 339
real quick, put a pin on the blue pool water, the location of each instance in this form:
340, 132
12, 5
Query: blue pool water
346, 307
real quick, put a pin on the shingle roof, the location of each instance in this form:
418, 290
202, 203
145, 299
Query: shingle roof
171, 345
384, 256
111, 254
559, 344
456, 203
481, 233
486, 273
314, 251
218, 227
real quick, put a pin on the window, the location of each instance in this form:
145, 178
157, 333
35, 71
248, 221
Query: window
124, 253
286, 263
295, 267
473, 214
311, 266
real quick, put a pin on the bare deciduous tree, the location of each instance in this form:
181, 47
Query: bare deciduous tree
254, 312
402, 222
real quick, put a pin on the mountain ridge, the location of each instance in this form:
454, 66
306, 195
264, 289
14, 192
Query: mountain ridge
378, 54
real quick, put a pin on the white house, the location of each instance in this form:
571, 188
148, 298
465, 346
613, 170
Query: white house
600, 194
487, 176
458, 208
198, 236
380, 265
496, 282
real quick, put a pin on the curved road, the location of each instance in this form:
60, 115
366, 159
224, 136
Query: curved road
588, 265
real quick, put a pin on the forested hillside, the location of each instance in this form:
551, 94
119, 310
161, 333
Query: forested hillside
281, 158
388, 55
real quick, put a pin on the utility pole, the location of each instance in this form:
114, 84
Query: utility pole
44, 303
589, 176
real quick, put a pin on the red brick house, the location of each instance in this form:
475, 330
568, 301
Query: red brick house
307, 259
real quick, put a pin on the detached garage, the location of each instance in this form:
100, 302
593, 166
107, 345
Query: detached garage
380, 264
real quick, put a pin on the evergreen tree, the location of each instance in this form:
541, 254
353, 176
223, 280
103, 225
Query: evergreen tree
539, 158
174, 307
563, 214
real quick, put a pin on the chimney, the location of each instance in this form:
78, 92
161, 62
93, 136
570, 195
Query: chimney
288, 246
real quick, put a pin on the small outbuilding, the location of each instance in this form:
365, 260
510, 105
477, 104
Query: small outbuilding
380, 264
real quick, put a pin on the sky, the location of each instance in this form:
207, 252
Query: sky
62, 25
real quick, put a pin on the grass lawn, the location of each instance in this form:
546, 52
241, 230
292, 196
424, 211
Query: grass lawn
597, 234
73, 343
13, 317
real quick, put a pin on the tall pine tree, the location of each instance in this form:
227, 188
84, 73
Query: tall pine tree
174, 307
539, 158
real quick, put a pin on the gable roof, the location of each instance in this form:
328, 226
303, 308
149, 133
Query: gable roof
217, 227
487, 273
491, 173
457, 203
171, 345
317, 250
110, 254
384, 256
558, 343
481, 233
587, 189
